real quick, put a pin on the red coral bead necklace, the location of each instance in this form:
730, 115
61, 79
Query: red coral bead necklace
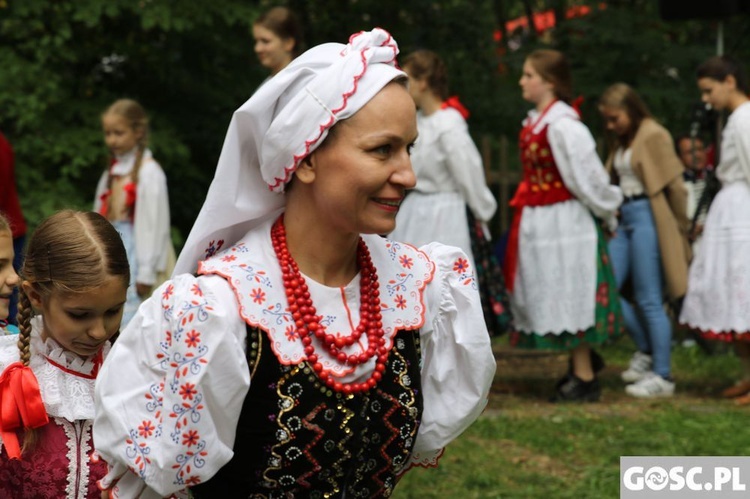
312, 332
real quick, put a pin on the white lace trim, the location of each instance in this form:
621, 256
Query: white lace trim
65, 395
251, 268
78, 456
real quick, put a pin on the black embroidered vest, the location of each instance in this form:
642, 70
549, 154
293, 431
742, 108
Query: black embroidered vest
298, 438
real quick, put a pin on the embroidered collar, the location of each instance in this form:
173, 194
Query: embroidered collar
66, 381
124, 163
251, 268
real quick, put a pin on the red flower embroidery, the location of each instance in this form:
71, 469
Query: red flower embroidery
400, 302
190, 438
196, 290
146, 429
228, 258
258, 295
188, 391
168, 292
406, 262
461, 265
291, 333
213, 247
193, 338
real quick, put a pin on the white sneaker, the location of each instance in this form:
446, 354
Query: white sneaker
640, 366
651, 386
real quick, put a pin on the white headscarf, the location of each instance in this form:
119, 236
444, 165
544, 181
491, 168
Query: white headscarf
286, 119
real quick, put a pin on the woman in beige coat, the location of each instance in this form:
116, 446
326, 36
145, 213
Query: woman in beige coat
650, 247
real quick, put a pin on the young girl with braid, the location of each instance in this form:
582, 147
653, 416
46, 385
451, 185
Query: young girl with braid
74, 282
132, 194
8, 276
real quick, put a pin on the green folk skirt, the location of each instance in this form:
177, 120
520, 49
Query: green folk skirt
609, 322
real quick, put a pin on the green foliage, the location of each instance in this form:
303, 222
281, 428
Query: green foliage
191, 64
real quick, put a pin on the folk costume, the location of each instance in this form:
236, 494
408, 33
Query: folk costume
58, 402
452, 204
140, 213
241, 393
557, 267
718, 297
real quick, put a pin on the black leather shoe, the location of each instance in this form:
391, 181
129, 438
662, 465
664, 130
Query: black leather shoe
597, 364
574, 389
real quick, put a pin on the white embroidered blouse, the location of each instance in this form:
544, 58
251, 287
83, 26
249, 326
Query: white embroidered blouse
178, 374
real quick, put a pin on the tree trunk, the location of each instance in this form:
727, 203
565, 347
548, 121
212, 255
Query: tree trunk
498, 6
530, 16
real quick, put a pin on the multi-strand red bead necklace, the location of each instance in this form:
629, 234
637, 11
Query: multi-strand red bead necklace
312, 332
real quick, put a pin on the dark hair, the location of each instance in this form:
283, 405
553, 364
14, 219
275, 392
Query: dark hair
284, 23
553, 66
719, 67
426, 64
623, 96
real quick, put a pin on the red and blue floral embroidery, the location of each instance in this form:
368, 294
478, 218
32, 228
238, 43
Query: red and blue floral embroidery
182, 356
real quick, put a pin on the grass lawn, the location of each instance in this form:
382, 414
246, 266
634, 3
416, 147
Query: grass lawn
525, 447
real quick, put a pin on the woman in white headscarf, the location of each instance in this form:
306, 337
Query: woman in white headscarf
307, 355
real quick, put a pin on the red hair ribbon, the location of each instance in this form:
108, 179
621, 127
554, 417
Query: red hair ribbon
576, 104
130, 191
456, 104
21, 405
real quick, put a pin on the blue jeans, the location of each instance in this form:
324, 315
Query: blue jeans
634, 251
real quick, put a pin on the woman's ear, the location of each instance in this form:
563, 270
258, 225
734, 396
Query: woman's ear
288, 44
731, 81
35, 298
305, 172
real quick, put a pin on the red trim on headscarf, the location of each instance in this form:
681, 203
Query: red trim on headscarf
21, 405
455, 104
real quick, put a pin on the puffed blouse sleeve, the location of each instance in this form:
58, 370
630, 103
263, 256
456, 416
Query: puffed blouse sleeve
465, 165
169, 394
458, 365
581, 169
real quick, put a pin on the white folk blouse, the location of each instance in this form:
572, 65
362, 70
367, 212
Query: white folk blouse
450, 177
179, 368
555, 283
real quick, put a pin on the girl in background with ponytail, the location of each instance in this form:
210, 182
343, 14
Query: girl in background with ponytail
132, 194
557, 265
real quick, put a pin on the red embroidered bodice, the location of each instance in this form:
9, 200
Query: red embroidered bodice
59, 466
541, 183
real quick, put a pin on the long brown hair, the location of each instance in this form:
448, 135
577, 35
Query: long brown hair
623, 96
69, 252
553, 66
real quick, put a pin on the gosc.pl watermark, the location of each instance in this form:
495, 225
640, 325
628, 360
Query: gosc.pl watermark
687, 477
